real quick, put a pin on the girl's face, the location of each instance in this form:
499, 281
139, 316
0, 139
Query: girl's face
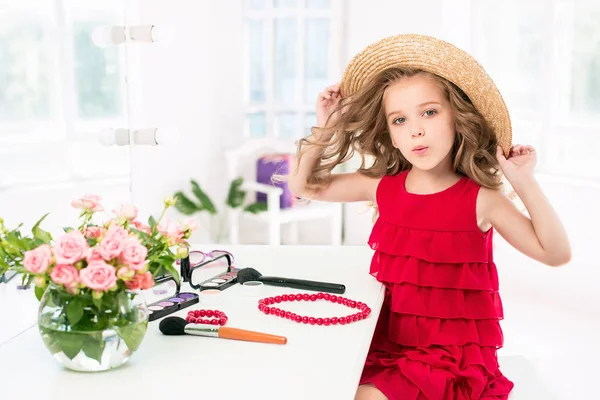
420, 121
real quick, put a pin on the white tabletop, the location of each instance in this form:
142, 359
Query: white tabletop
318, 362
18, 309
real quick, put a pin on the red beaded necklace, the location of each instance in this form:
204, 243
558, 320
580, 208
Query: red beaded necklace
263, 305
198, 317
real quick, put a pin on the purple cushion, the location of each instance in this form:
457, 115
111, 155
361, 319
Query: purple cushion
271, 164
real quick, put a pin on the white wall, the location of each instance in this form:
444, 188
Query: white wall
25, 205
191, 85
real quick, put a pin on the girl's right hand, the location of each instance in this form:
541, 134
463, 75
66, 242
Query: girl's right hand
327, 102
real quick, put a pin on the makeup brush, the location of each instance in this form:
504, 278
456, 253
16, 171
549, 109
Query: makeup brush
179, 326
250, 274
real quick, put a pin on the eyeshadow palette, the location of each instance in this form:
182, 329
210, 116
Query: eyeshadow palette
220, 281
172, 304
215, 273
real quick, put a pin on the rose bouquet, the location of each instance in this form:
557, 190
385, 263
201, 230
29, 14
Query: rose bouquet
89, 279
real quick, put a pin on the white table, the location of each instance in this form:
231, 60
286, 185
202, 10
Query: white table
326, 365
318, 362
18, 310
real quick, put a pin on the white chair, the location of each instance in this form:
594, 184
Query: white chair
241, 162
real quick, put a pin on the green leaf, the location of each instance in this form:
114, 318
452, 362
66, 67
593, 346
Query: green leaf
133, 334
166, 260
70, 343
167, 263
67, 229
93, 346
97, 303
13, 243
122, 300
74, 311
151, 222
39, 292
40, 234
50, 338
205, 202
236, 196
184, 205
108, 302
256, 208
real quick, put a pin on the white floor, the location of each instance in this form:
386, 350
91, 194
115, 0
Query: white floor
551, 327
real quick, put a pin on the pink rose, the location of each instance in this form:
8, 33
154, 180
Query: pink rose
116, 230
148, 281
98, 275
143, 266
128, 212
89, 202
133, 252
94, 254
143, 281
37, 260
93, 232
113, 242
172, 230
190, 224
140, 226
134, 283
70, 248
64, 274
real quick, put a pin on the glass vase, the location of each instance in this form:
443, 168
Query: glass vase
90, 334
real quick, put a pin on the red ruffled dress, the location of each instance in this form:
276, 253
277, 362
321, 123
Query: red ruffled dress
438, 330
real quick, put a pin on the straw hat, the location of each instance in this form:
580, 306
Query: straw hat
440, 58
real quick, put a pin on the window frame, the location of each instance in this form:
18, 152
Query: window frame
64, 125
556, 116
269, 107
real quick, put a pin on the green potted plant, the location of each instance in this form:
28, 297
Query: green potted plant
236, 198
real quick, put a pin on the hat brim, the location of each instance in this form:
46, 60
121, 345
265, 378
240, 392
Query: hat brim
440, 58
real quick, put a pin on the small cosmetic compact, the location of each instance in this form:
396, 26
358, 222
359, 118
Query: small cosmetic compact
168, 305
214, 274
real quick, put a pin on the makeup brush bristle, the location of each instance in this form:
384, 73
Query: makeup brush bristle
248, 274
173, 326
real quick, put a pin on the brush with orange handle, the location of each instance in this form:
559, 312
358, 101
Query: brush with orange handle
179, 326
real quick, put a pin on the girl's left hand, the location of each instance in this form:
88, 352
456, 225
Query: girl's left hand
520, 163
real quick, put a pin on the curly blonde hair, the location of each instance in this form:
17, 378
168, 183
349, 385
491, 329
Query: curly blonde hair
362, 128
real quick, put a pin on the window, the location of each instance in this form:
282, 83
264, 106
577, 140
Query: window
58, 90
291, 54
545, 58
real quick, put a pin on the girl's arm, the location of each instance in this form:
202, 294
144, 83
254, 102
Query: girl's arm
542, 236
346, 187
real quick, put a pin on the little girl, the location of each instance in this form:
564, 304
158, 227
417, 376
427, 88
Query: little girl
434, 136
